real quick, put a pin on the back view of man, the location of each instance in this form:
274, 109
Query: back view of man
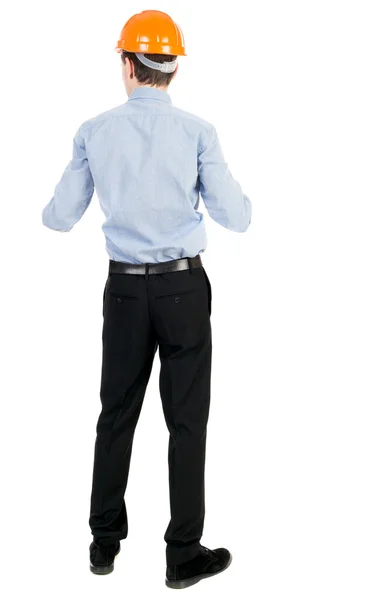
149, 163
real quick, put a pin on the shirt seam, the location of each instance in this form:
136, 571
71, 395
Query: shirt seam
202, 127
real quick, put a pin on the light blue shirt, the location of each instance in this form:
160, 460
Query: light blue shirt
149, 163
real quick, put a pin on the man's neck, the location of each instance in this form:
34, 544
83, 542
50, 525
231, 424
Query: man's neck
155, 87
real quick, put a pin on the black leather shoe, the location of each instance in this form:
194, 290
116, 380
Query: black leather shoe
102, 557
206, 564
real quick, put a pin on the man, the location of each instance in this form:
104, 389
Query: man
149, 161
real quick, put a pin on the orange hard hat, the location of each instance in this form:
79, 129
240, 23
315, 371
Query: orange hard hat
152, 32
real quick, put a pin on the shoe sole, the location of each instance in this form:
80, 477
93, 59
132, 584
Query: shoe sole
103, 570
180, 584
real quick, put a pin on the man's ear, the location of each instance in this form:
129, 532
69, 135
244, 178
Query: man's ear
175, 72
130, 68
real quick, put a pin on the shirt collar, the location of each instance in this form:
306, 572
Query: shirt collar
149, 92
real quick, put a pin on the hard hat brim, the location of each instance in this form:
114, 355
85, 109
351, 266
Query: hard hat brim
149, 48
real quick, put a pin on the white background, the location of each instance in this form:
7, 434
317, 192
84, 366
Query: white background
291, 468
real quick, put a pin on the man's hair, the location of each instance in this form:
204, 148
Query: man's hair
146, 74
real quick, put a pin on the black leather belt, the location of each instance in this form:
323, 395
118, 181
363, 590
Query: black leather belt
182, 264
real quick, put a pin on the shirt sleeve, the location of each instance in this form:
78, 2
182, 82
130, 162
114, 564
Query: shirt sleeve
73, 193
221, 193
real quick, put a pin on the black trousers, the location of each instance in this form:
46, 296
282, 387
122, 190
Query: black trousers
142, 313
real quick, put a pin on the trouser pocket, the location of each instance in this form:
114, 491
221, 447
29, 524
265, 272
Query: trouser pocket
104, 295
209, 289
